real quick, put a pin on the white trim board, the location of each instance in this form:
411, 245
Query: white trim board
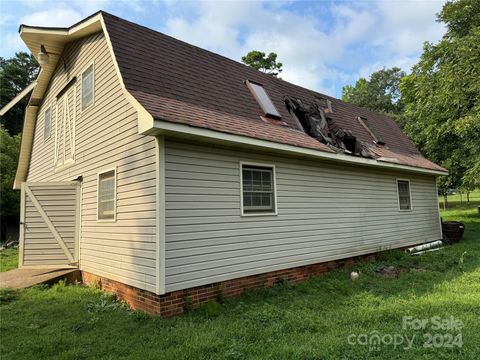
17, 98
160, 220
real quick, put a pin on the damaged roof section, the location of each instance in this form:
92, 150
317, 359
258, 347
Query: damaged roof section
316, 122
179, 83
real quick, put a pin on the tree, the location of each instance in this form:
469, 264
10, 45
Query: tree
259, 61
16, 74
381, 93
442, 96
9, 150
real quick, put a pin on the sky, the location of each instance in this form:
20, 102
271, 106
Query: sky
323, 45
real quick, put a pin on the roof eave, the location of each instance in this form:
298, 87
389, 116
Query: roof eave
186, 131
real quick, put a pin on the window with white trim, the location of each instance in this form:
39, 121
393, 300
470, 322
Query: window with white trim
88, 87
106, 195
47, 130
258, 189
404, 199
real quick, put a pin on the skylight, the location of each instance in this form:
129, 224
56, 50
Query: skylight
263, 99
371, 130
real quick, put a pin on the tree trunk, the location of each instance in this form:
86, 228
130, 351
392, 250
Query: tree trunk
445, 201
461, 198
468, 197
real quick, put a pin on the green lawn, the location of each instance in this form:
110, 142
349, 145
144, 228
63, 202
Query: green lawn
8, 259
460, 200
311, 320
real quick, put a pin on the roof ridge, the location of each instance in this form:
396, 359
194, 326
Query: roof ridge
211, 88
237, 63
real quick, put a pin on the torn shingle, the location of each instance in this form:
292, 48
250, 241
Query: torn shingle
315, 123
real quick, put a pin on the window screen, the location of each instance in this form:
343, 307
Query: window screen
48, 124
106, 196
263, 99
258, 189
87, 87
404, 200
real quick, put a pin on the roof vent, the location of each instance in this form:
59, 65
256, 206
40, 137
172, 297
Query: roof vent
263, 99
371, 130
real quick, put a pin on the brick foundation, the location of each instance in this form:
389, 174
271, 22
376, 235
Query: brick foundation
176, 302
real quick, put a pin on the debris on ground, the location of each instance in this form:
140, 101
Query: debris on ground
424, 248
388, 271
452, 231
9, 243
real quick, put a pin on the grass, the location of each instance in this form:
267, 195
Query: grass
310, 320
8, 259
460, 200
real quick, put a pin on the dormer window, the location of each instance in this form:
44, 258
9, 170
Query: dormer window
263, 99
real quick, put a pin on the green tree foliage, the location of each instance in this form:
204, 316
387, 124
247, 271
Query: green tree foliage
442, 96
259, 61
9, 150
16, 74
380, 93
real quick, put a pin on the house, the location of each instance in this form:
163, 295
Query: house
163, 171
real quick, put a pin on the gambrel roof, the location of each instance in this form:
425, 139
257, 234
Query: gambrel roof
178, 87
179, 82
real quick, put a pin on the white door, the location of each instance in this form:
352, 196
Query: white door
49, 224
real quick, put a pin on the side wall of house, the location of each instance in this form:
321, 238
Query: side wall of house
105, 137
325, 212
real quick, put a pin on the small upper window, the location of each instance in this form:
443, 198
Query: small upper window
48, 124
106, 195
88, 87
404, 199
263, 99
258, 189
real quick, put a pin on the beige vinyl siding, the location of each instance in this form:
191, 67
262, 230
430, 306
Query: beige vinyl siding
106, 137
59, 203
325, 212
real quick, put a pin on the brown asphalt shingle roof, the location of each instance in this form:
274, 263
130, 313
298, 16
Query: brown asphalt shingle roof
181, 83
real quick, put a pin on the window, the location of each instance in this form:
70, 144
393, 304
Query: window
258, 189
88, 82
106, 196
404, 199
263, 99
48, 124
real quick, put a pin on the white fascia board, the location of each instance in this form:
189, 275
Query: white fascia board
17, 98
164, 127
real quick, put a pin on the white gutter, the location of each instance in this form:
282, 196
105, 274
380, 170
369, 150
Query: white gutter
164, 127
17, 98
